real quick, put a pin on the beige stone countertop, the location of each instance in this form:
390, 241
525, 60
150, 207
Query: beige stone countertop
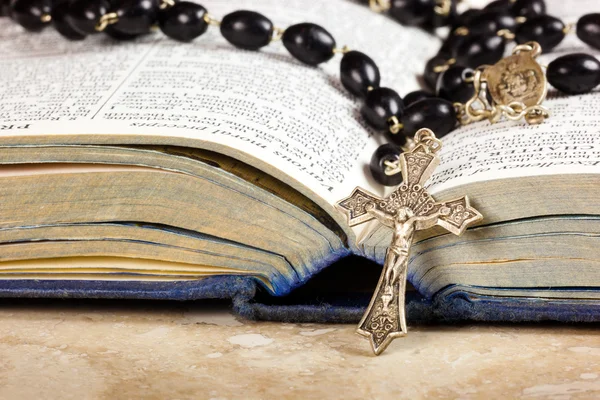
166, 350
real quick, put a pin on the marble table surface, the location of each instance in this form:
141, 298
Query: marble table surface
164, 350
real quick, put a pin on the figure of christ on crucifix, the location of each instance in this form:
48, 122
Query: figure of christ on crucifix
396, 259
409, 208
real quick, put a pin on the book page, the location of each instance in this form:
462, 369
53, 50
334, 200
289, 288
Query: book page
265, 108
566, 143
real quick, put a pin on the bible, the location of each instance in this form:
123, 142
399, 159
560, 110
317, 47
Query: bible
160, 170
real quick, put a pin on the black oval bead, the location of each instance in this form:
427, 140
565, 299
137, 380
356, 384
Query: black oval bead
588, 30
83, 15
380, 105
117, 35
247, 29
490, 22
528, 8
399, 139
546, 30
28, 13
467, 17
60, 23
136, 17
184, 21
480, 50
412, 12
386, 152
451, 45
415, 96
358, 73
430, 76
452, 84
574, 73
436, 114
309, 43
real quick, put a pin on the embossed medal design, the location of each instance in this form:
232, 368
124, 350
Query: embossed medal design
516, 85
517, 78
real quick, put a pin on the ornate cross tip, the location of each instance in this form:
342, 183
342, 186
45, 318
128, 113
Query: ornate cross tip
354, 206
409, 208
460, 216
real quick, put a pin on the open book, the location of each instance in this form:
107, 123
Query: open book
164, 170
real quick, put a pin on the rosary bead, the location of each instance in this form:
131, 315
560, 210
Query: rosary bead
117, 35
60, 23
480, 50
380, 105
430, 76
28, 13
359, 73
528, 8
574, 73
467, 17
415, 96
491, 21
451, 44
309, 43
588, 30
452, 84
184, 21
83, 15
386, 152
411, 12
546, 30
399, 139
136, 17
247, 29
436, 114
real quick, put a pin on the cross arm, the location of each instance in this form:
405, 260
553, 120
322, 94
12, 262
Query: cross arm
381, 216
459, 216
356, 206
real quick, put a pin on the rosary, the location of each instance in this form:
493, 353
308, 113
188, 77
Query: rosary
470, 80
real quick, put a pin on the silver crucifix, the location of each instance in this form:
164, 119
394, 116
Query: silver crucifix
407, 209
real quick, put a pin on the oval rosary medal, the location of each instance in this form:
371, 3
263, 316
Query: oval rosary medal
517, 84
